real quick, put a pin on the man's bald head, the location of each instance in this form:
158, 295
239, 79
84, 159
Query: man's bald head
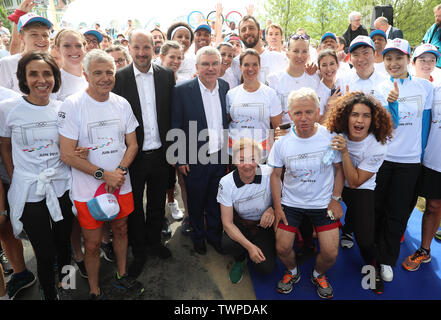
139, 33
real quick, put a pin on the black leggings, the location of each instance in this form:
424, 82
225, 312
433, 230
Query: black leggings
360, 218
49, 239
264, 239
394, 196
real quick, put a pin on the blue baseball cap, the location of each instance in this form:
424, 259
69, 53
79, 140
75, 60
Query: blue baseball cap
203, 26
328, 35
361, 41
32, 17
95, 33
378, 32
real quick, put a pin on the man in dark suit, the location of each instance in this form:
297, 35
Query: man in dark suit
148, 88
382, 23
198, 108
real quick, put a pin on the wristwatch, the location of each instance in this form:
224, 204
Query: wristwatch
5, 213
124, 169
338, 199
99, 174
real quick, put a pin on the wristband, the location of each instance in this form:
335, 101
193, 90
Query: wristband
16, 16
4, 213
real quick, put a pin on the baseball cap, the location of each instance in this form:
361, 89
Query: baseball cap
95, 33
425, 48
328, 35
32, 17
203, 26
361, 41
379, 33
104, 206
397, 44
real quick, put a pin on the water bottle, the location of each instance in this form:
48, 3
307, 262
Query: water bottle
329, 155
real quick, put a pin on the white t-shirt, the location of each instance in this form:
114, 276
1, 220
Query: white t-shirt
8, 72
6, 93
432, 153
270, 62
380, 68
308, 183
249, 200
230, 78
101, 127
251, 113
367, 155
416, 95
323, 93
70, 84
187, 69
343, 69
35, 141
372, 85
436, 74
284, 84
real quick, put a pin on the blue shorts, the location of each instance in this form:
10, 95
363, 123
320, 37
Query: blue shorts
319, 219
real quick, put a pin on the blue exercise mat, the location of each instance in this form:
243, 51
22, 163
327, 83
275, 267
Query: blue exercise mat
346, 277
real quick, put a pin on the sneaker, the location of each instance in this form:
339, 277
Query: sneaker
7, 269
379, 284
285, 285
438, 235
413, 262
43, 296
236, 272
177, 213
82, 269
324, 289
15, 285
386, 272
166, 230
186, 227
64, 294
129, 284
100, 296
107, 251
347, 240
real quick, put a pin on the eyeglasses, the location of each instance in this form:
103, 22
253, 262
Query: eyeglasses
120, 61
300, 36
93, 41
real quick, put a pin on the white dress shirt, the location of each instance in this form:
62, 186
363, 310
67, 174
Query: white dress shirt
213, 114
146, 90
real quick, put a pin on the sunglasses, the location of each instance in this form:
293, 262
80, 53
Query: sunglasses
300, 36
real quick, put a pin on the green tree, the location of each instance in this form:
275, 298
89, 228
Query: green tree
3, 17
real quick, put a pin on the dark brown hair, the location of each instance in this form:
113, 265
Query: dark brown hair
341, 109
248, 52
31, 56
325, 53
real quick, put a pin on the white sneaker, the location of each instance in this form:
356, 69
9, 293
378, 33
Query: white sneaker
386, 273
347, 240
177, 213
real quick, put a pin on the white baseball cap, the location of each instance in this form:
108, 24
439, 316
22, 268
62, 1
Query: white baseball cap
361, 41
425, 48
104, 206
32, 17
397, 44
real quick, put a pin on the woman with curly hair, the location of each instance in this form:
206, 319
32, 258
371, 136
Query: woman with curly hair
364, 127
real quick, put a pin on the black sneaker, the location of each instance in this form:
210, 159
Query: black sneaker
82, 269
166, 230
15, 285
128, 284
347, 240
186, 227
101, 296
107, 251
64, 294
7, 269
379, 284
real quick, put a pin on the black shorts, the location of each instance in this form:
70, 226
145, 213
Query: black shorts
318, 217
431, 184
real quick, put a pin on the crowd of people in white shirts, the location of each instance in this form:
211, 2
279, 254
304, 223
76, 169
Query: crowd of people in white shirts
308, 128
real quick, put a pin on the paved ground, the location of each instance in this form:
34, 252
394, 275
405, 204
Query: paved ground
185, 276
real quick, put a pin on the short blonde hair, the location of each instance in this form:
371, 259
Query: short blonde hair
302, 94
247, 144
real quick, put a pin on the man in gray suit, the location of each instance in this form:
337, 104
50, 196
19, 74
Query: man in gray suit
382, 23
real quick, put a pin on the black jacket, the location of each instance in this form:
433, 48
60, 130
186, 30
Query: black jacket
350, 35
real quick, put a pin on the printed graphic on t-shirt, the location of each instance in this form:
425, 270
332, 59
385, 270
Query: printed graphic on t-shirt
263, 74
104, 133
375, 159
245, 114
305, 166
413, 103
436, 111
248, 207
39, 135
